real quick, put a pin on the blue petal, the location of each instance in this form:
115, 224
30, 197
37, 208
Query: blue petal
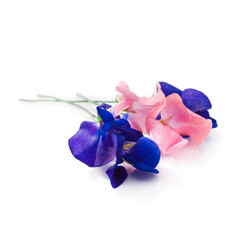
206, 115
145, 167
123, 123
105, 115
144, 155
130, 134
117, 175
169, 89
83, 144
106, 150
214, 122
105, 106
119, 148
195, 100
125, 116
92, 146
159, 116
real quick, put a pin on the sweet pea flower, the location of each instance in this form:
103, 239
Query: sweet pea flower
176, 120
193, 99
98, 143
139, 108
144, 155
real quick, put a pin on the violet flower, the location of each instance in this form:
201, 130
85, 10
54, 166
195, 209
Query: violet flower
98, 143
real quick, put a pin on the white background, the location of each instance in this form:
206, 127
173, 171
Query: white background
63, 47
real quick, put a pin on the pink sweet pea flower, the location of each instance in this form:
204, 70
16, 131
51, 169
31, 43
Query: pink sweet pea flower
177, 120
139, 109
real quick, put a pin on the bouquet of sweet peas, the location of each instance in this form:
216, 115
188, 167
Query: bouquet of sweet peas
138, 130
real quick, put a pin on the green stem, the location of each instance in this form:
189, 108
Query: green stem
95, 102
72, 102
61, 100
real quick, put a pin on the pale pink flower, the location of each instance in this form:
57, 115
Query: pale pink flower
139, 109
177, 121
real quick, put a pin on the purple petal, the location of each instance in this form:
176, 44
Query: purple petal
130, 134
206, 115
169, 89
195, 100
119, 147
105, 106
159, 116
123, 123
92, 146
144, 155
106, 149
105, 115
83, 144
117, 175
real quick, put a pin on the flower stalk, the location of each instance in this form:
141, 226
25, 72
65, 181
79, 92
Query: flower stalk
76, 103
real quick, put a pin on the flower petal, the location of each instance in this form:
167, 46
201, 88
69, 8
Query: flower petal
92, 146
206, 115
83, 144
117, 175
144, 167
195, 100
144, 155
123, 123
130, 134
105, 115
214, 122
165, 137
184, 121
169, 89
153, 105
138, 121
125, 91
139, 108
124, 104
105, 106
119, 147
106, 150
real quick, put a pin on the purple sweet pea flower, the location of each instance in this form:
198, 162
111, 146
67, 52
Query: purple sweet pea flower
144, 155
98, 143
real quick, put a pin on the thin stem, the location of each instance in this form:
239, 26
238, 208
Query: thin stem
96, 102
46, 96
81, 96
72, 102
61, 100
49, 100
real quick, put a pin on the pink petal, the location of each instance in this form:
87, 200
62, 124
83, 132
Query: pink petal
166, 138
125, 103
124, 90
139, 108
138, 121
154, 104
184, 121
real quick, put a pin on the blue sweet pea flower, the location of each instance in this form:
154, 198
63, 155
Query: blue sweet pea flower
98, 143
193, 99
144, 155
